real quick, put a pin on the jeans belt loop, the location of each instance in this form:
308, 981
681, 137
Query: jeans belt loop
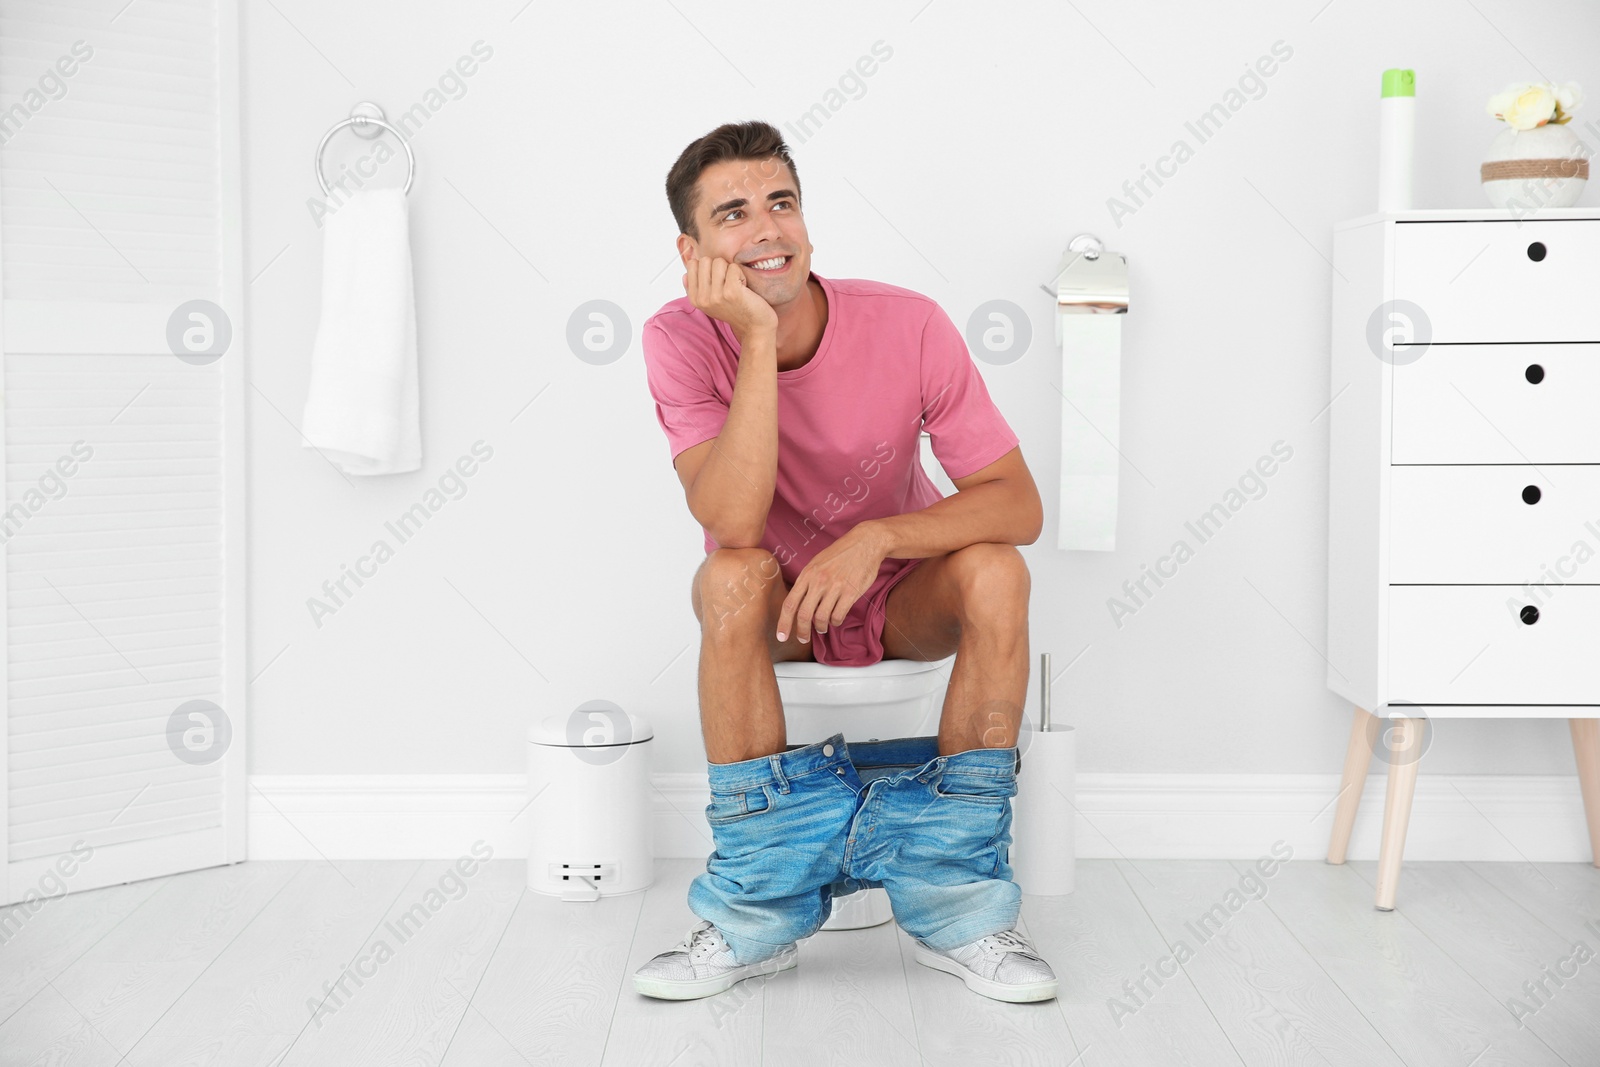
776, 762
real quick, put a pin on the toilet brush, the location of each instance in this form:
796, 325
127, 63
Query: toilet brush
1044, 809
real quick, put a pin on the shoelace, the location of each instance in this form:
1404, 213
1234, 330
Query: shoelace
1011, 941
700, 942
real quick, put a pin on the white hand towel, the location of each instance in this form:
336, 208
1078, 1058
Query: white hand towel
361, 408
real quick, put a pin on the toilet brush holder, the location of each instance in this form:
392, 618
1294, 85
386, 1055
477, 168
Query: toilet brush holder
1044, 811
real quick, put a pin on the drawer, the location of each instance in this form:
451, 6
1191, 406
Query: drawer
1478, 280
1475, 524
1466, 644
1533, 403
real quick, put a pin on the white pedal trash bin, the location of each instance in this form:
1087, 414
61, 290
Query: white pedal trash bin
589, 803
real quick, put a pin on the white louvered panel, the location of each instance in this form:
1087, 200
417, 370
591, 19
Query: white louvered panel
123, 582
110, 193
114, 612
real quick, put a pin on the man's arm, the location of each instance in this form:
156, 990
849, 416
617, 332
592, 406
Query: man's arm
729, 480
729, 484
996, 503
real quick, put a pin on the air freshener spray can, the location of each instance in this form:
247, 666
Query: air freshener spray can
1397, 120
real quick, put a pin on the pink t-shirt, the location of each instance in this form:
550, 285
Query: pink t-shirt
890, 365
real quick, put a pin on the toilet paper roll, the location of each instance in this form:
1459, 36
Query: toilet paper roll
1043, 814
1091, 374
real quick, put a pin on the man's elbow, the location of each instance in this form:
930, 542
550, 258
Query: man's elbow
738, 540
731, 535
1035, 520
725, 534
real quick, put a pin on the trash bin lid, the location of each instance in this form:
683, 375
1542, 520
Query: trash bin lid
593, 728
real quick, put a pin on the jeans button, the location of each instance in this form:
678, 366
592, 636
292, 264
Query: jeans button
827, 750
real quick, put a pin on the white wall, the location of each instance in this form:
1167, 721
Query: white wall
960, 168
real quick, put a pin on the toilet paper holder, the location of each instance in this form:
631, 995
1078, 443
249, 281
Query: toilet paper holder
1089, 281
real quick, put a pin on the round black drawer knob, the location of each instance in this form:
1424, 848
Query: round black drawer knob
1534, 373
1536, 251
1530, 614
1530, 494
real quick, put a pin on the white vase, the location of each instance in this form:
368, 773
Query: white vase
1530, 169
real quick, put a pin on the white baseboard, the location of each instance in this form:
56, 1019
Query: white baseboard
1138, 816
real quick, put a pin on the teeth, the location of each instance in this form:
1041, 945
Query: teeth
770, 264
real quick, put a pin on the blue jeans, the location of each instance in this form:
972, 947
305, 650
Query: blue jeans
798, 828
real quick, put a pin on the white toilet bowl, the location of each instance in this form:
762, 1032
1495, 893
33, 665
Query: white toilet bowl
890, 698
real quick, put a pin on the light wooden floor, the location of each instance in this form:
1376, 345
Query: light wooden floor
226, 966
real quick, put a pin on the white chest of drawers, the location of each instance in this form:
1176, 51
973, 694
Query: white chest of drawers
1464, 489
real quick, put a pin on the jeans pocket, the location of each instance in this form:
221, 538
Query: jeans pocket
982, 832
987, 789
727, 807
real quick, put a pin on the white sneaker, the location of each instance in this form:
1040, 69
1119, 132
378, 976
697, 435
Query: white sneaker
702, 964
1002, 966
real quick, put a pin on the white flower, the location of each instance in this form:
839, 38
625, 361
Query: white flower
1501, 102
1524, 105
1569, 96
1534, 106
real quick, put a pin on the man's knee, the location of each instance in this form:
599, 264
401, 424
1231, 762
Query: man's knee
992, 577
736, 587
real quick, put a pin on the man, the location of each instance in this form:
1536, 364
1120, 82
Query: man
793, 405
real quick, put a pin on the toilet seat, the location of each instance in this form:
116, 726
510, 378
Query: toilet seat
884, 668
890, 698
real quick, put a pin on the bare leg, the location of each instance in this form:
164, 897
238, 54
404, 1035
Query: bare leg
737, 594
973, 601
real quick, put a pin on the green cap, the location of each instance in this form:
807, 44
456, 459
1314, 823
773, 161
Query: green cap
1397, 82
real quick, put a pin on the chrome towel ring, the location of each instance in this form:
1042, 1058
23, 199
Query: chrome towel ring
368, 121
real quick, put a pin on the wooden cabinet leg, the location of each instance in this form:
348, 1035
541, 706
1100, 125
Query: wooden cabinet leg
1586, 747
1403, 755
1357, 756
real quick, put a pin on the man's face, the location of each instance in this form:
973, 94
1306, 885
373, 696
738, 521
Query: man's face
749, 212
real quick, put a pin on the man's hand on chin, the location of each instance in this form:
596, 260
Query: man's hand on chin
828, 586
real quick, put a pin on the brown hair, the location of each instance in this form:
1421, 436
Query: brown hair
742, 140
